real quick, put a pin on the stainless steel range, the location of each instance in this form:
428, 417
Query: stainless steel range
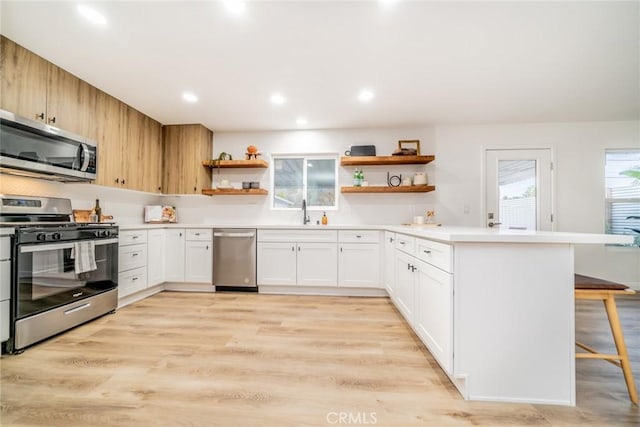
62, 273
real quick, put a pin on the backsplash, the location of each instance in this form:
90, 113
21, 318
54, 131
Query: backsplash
126, 206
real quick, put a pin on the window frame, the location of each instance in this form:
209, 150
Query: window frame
609, 201
306, 157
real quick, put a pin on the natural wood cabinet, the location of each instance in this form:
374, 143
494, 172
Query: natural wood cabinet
110, 118
129, 148
24, 81
39, 90
185, 148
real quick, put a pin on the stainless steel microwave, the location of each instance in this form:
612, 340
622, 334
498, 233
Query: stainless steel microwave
34, 149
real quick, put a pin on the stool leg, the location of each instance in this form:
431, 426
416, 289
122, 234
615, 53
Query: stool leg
618, 337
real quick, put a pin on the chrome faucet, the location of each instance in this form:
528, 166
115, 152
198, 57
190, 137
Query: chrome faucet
305, 218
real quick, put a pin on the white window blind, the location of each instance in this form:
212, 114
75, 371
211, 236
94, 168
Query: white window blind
622, 198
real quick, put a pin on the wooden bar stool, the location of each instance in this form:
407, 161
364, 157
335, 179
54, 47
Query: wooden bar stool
597, 289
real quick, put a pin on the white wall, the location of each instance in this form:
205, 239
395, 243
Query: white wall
352, 208
126, 206
578, 150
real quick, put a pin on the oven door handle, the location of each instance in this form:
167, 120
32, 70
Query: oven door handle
54, 246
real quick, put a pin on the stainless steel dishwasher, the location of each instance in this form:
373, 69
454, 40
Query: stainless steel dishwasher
234, 259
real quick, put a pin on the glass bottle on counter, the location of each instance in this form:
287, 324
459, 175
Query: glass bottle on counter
325, 220
97, 210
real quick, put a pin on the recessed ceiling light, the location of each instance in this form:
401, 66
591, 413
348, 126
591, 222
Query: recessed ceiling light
92, 15
301, 121
365, 96
277, 99
235, 6
189, 97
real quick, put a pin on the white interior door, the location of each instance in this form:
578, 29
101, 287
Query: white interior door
518, 189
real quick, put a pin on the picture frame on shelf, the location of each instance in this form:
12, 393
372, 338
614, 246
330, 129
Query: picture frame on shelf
411, 146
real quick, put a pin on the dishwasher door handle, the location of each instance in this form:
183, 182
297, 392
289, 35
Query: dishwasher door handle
234, 234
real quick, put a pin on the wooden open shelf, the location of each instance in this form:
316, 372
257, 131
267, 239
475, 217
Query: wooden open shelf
386, 189
385, 160
235, 192
253, 163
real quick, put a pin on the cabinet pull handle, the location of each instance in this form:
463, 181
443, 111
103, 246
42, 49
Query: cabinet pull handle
401, 242
180, 234
340, 248
134, 279
408, 266
134, 237
117, 180
52, 119
359, 237
207, 247
122, 181
298, 248
390, 239
40, 116
135, 254
197, 234
427, 252
413, 268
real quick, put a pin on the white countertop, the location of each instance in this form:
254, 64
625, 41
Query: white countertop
448, 234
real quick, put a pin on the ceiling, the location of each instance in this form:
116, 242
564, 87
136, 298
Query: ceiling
426, 62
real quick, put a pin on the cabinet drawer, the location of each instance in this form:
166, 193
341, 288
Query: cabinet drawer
132, 281
200, 234
5, 248
358, 236
132, 237
284, 235
435, 253
132, 256
405, 243
5, 280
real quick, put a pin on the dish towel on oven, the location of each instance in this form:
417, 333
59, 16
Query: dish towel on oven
84, 253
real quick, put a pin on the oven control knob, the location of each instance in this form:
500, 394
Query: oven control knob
41, 236
106, 233
56, 236
96, 233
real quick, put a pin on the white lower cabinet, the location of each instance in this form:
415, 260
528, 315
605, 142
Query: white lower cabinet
358, 265
5, 287
423, 293
189, 255
132, 281
304, 264
174, 254
434, 312
132, 262
297, 257
276, 263
155, 257
198, 262
317, 264
404, 295
359, 259
389, 262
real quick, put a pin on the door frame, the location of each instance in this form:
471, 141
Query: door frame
483, 180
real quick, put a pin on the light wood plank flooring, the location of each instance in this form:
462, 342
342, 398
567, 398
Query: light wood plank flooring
232, 359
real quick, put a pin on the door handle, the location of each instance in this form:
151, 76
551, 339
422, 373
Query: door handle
81, 307
492, 224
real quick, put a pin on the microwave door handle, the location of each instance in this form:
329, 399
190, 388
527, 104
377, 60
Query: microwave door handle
55, 246
84, 157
